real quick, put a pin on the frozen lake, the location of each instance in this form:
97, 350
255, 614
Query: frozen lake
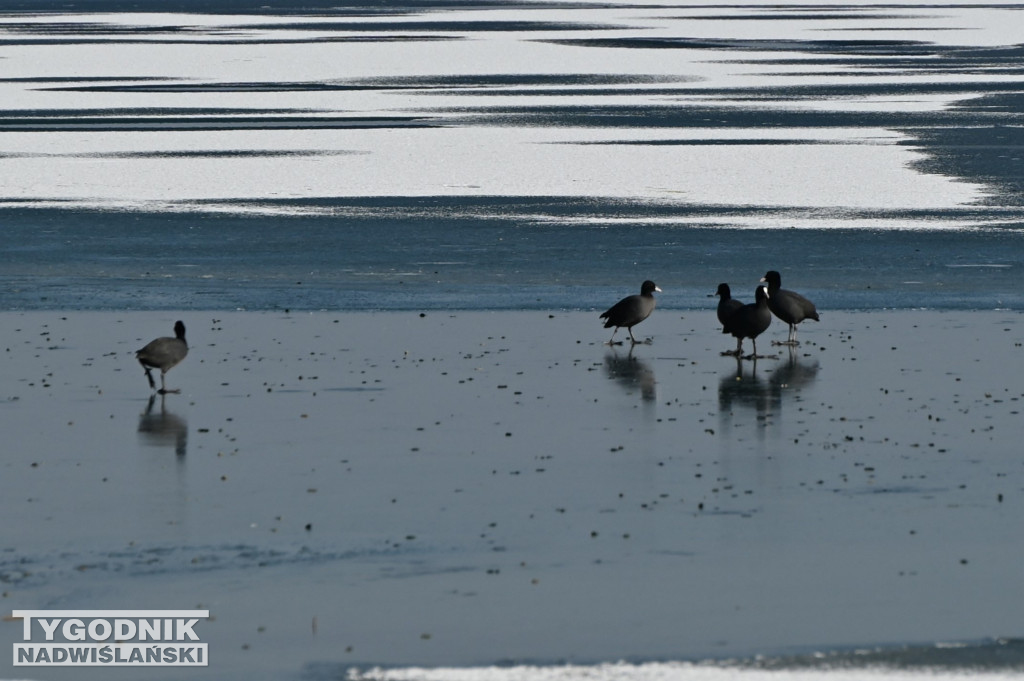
508, 155
467, 489
401, 450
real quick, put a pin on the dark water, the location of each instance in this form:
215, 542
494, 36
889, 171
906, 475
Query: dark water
460, 253
516, 252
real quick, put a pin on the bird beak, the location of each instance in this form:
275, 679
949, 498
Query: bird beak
657, 289
763, 280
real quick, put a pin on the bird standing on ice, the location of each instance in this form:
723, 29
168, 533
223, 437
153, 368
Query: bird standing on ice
749, 321
164, 354
789, 306
631, 310
726, 304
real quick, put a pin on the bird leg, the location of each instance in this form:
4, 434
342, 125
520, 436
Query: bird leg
646, 341
756, 356
149, 376
738, 352
753, 355
163, 390
791, 341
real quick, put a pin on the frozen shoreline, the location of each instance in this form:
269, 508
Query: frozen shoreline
468, 488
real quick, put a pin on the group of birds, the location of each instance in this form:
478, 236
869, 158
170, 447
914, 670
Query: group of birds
741, 320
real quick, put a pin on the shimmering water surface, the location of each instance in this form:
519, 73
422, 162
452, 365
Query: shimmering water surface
507, 155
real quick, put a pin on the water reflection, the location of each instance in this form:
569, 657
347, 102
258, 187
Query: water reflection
632, 373
765, 392
745, 388
163, 428
794, 372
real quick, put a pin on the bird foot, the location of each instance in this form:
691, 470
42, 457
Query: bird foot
730, 353
761, 357
613, 343
169, 391
790, 343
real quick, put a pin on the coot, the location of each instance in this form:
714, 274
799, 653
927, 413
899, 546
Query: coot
788, 306
631, 310
163, 354
726, 304
749, 321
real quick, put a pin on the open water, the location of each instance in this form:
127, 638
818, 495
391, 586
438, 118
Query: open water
437, 155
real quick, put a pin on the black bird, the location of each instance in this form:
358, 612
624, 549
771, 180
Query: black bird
788, 306
726, 304
749, 321
164, 354
631, 310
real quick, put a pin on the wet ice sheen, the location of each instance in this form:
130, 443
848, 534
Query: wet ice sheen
464, 489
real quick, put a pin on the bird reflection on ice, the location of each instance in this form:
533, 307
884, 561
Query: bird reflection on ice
163, 428
765, 393
632, 373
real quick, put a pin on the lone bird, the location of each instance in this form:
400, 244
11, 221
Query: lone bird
726, 304
631, 310
164, 354
749, 321
788, 306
